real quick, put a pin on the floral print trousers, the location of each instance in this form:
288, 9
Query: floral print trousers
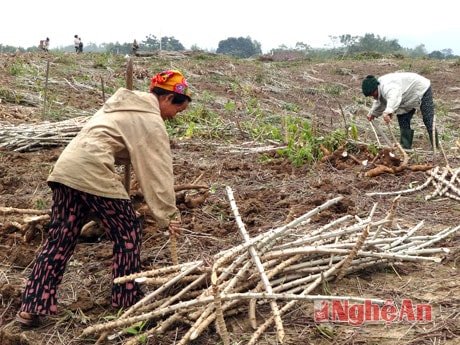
68, 215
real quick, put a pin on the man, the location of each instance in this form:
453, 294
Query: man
80, 45
135, 46
401, 94
44, 44
128, 128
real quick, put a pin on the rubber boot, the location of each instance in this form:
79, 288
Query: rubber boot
407, 135
430, 133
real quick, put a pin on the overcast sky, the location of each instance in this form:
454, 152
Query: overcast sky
204, 23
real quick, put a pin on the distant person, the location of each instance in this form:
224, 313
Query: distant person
129, 127
401, 94
76, 43
135, 47
80, 45
44, 44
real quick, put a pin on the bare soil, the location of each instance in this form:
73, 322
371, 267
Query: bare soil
266, 190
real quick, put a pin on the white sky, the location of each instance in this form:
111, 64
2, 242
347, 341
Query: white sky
206, 22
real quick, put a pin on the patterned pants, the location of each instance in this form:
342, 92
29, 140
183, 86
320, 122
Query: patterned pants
68, 213
427, 110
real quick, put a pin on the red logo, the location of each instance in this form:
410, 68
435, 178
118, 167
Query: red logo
356, 314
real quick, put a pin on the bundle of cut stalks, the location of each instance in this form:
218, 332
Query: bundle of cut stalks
445, 180
26, 137
277, 268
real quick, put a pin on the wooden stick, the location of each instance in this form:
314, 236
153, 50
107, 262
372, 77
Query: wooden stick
45, 91
376, 127
148, 298
173, 248
225, 297
129, 86
436, 239
318, 249
405, 191
279, 268
354, 251
178, 188
220, 321
158, 271
12, 210
291, 304
255, 257
392, 246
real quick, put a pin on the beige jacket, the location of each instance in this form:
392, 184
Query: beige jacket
127, 128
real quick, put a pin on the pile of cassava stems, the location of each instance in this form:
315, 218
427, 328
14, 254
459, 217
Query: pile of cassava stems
28, 137
278, 268
445, 180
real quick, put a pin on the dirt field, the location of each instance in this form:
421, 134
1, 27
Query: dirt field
268, 190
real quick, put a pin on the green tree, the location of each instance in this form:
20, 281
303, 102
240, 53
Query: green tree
10, 49
436, 55
151, 43
113, 48
418, 51
239, 47
348, 41
371, 42
170, 43
448, 53
303, 47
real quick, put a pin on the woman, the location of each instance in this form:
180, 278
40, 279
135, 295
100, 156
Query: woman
76, 43
401, 94
84, 180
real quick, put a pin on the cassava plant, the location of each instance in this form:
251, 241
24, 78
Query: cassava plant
303, 145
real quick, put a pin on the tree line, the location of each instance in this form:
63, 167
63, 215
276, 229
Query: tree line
244, 47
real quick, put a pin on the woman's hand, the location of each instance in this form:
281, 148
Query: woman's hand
387, 117
174, 227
